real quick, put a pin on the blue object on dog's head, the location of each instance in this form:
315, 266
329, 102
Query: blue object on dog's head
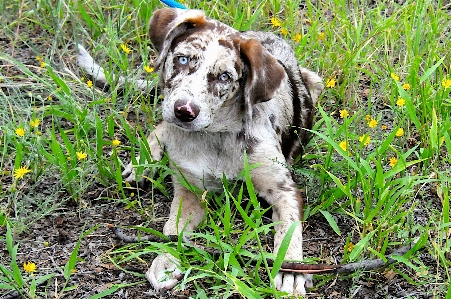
173, 4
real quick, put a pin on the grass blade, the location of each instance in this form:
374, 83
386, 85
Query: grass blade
330, 219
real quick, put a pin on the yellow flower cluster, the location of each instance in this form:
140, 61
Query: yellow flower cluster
21, 172
41, 61
393, 161
20, 132
343, 145
394, 76
399, 132
81, 155
148, 69
277, 23
372, 123
126, 49
446, 83
400, 102
331, 83
34, 123
29, 267
344, 113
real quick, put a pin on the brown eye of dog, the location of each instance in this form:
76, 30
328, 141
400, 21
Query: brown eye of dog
183, 60
224, 77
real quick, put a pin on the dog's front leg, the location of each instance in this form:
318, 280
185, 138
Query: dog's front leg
156, 151
163, 273
274, 183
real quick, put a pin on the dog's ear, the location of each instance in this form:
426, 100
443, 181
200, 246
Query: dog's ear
265, 73
167, 23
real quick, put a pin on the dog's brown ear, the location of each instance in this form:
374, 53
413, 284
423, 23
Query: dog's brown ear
167, 23
264, 76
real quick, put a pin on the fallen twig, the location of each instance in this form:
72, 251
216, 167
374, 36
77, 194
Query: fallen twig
294, 267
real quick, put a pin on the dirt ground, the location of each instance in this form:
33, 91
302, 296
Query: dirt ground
50, 240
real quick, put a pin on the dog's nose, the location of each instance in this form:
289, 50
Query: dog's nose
185, 110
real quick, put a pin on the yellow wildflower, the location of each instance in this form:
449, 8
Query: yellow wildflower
116, 142
34, 123
276, 22
38, 58
349, 247
344, 113
284, 31
393, 161
372, 123
126, 49
89, 83
400, 102
43, 64
367, 118
400, 132
81, 156
446, 83
21, 172
394, 76
321, 36
20, 132
148, 69
29, 267
343, 145
384, 127
297, 37
406, 86
365, 139
331, 82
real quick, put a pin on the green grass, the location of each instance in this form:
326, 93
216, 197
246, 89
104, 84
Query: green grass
357, 45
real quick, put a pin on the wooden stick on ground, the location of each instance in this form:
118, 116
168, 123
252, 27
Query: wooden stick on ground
364, 265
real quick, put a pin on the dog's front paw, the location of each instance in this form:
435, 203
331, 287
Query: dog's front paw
163, 274
129, 175
293, 283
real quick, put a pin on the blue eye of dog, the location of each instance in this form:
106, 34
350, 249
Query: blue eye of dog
224, 77
183, 60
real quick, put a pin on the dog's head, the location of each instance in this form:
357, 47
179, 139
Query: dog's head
211, 75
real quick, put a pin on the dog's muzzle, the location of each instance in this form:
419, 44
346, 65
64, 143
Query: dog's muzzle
185, 110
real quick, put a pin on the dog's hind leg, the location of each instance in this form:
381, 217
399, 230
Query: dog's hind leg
87, 63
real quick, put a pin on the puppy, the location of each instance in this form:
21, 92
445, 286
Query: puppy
226, 93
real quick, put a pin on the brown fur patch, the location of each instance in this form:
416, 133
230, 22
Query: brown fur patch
264, 71
159, 26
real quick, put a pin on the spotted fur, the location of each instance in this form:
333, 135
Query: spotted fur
226, 93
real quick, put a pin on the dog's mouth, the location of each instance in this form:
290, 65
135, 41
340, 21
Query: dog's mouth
188, 126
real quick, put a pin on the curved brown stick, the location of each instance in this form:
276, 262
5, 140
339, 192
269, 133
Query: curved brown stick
364, 265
